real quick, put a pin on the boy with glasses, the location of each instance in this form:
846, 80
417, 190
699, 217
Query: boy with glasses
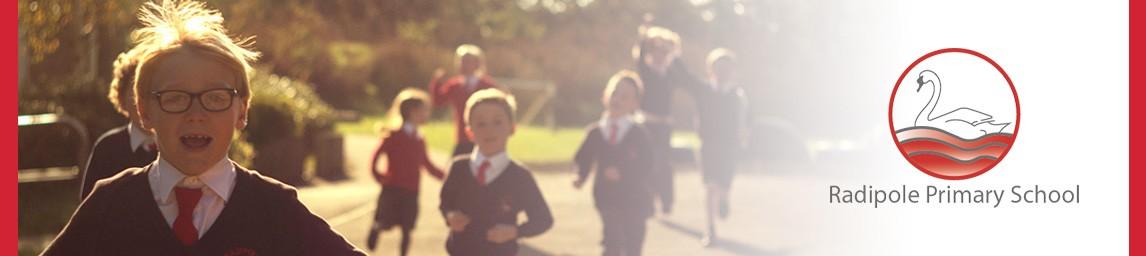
194, 92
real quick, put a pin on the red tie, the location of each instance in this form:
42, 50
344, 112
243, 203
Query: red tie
613, 133
151, 147
481, 172
185, 229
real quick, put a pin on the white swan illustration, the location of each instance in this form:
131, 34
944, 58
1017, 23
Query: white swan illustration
963, 122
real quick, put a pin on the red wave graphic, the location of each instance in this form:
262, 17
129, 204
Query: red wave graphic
951, 168
932, 145
946, 155
932, 133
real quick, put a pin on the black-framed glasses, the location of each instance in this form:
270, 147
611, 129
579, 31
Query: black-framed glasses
213, 100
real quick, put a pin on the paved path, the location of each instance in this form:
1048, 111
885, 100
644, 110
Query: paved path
752, 229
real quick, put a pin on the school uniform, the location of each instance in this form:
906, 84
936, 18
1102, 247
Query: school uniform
657, 100
398, 201
624, 204
492, 190
455, 92
719, 130
228, 210
118, 149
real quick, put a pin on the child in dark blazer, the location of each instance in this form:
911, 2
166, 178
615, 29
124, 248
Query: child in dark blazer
125, 146
662, 72
406, 156
618, 148
486, 190
457, 90
723, 131
194, 95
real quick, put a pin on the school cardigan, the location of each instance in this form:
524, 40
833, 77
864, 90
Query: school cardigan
263, 217
406, 155
111, 154
455, 93
498, 202
633, 158
724, 114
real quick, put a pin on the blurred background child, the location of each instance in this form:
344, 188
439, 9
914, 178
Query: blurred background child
455, 91
618, 148
406, 155
723, 131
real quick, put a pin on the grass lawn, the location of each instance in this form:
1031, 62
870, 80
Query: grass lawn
531, 144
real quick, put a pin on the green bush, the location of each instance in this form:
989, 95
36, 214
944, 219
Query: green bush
284, 117
283, 108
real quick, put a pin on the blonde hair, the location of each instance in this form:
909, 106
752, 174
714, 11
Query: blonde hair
624, 75
472, 50
123, 81
648, 35
171, 25
492, 96
719, 54
407, 98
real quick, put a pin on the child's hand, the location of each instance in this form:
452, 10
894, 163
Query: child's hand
457, 221
612, 174
439, 73
578, 183
501, 233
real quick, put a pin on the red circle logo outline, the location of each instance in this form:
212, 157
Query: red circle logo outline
891, 104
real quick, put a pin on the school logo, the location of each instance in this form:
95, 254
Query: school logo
954, 113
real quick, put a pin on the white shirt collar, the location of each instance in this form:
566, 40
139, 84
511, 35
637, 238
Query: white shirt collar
138, 137
164, 177
623, 124
470, 81
409, 129
497, 164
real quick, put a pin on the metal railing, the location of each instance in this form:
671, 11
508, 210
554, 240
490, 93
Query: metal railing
56, 173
